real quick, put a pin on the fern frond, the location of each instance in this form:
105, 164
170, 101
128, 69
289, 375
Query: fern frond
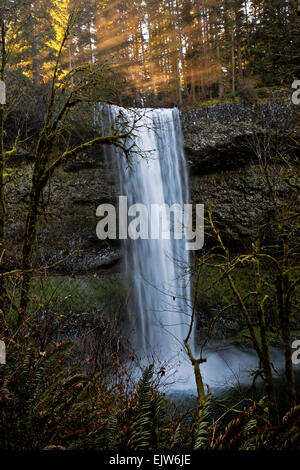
202, 432
112, 432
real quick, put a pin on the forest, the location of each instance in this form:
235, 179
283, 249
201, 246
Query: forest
168, 53
121, 343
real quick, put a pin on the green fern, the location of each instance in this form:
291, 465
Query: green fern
176, 439
202, 431
112, 431
41, 396
141, 429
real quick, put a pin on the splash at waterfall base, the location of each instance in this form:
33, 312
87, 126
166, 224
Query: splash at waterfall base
161, 308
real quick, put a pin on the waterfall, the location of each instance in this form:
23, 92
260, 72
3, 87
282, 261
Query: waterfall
160, 302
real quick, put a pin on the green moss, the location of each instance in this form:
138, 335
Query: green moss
243, 337
220, 293
78, 294
263, 93
213, 102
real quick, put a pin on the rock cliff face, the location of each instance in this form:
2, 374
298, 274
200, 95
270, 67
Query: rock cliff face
68, 219
222, 145
224, 174
219, 138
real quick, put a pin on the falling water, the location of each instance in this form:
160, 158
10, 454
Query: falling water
159, 308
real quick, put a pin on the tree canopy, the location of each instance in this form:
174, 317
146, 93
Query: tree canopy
166, 51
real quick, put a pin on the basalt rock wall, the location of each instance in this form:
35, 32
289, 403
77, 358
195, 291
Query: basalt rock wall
224, 174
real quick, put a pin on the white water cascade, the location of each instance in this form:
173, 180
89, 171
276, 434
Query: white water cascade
160, 303
159, 307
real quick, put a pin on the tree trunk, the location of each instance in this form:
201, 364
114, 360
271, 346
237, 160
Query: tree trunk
31, 230
265, 351
284, 320
240, 61
232, 62
2, 167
